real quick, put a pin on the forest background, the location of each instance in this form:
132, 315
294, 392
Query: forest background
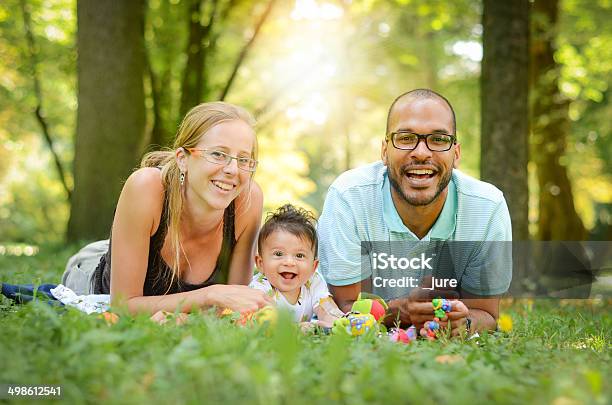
87, 87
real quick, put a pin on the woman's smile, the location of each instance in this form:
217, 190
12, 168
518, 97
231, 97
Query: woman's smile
223, 185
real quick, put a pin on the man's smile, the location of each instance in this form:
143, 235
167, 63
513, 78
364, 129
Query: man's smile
420, 176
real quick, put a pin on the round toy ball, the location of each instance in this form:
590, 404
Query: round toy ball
377, 310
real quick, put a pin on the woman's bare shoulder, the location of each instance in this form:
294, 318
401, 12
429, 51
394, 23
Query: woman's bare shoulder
143, 196
147, 179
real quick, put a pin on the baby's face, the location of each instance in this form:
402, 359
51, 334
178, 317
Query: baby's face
287, 260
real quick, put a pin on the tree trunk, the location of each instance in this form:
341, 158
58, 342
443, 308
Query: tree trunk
111, 113
162, 48
558, 219
194, 76
504, 105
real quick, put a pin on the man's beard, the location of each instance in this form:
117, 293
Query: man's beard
418, 201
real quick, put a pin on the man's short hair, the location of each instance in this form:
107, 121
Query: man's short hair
420, 94
296, 221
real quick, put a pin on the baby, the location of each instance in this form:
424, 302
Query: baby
287, 263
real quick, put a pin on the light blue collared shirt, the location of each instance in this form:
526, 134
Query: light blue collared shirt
359, 208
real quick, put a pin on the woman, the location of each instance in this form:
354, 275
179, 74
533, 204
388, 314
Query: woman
186, 222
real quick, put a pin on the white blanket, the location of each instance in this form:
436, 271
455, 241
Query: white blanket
93, 303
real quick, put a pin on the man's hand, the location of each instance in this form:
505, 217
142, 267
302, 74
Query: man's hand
456, 319
417, 309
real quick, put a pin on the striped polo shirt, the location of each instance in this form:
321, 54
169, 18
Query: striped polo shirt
359, 208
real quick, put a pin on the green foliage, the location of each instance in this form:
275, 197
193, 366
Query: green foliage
320, 78
33, 206
555, 354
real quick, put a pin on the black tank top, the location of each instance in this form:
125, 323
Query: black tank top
159, 274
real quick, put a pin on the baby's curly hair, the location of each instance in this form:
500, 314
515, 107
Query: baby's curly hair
297, 221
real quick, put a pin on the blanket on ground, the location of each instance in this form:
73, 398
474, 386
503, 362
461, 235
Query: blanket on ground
56, 294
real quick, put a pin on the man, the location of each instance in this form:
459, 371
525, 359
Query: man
416, 194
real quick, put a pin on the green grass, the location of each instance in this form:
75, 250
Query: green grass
557, 354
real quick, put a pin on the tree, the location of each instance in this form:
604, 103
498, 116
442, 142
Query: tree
111, 112
504, 105
558, 219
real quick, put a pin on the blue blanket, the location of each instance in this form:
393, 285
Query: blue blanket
25, 293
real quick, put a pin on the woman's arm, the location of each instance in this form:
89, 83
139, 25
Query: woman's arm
136, 219
239, 298
248, 213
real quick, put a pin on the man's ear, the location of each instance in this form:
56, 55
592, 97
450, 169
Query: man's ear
383, 151
181, 159
457, 156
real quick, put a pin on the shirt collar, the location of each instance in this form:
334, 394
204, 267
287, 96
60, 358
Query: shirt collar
442, 229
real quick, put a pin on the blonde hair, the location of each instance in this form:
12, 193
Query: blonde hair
198, 121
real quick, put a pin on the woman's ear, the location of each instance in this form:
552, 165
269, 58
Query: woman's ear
181, 159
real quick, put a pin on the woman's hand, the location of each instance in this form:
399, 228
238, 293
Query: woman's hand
238, 298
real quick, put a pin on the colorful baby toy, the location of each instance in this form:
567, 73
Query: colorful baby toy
267, 314
375, 306
367, 315
403, 336
355, 324
441, 307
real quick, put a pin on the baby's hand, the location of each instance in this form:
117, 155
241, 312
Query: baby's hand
327, 312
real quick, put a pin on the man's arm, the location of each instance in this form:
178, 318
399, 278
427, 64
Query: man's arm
345, 295
487, 276
483, 312
340, 250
